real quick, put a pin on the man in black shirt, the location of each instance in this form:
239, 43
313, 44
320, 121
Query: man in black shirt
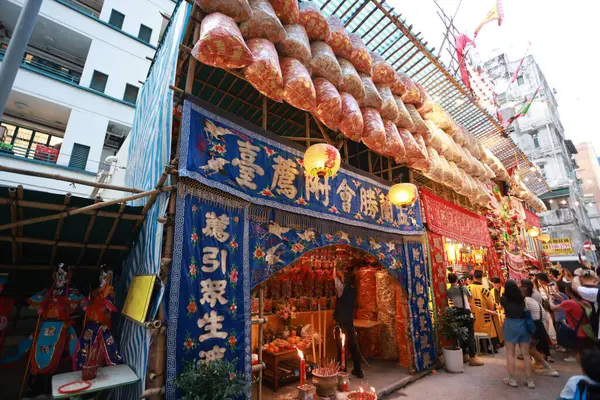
344, 318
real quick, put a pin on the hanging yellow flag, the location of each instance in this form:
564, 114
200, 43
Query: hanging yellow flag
496, 13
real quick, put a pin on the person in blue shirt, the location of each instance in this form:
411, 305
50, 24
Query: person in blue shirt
590, 365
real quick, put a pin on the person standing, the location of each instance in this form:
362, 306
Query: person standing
543, 346
344, 318
482, 306
515, 332
458, 296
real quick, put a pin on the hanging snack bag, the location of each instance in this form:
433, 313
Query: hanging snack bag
324, 63
438, 116
221, 43
352, 120
435, 171
403, 120
265, 73
382, 71
298, 89
393, 143
389, 109
263, 24
426, 104
420, 126
339, 39
373, 131
315, 23
414, 154
239, 10
351, 81
372, 98
433, 138
360, 55
329, 103
287, 11
295, 44
421, 166
397, 87
412, 94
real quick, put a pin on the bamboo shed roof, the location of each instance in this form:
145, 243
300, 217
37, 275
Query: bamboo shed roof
383, 31
83, 241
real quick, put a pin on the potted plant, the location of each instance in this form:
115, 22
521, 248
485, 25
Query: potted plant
454, 324
207, 381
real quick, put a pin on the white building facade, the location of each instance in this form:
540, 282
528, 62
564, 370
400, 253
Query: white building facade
541, 136
73, 100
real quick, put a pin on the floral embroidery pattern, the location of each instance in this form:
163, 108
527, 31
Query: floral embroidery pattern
189, 343
192, 269
194, 237
191, 307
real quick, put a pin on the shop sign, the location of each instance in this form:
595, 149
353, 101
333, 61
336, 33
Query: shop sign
224, 155
450, 220
558, 246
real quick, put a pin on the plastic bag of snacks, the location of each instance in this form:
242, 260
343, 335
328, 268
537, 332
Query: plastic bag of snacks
455, 131
372, 98
393, 142
329, 103
397, 87
389, 109
298, 89
452, 153
295, 44
414, 154
265, 73
438, 116
434, 172
412, 94
315, 23
424, 166
221, 43
433, 138
382, 71
239, 10
488, 172
324, 63
351, 81
360, 55
263, 24
426, 104
339, 39
373, 130
456, 182
403, 120
420, 126
287, 11
351, 124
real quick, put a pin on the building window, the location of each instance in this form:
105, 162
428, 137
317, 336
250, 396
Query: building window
116, 19
131, 93
99, 81
536, 140
145, 33
27, 143
520, 80
79, 156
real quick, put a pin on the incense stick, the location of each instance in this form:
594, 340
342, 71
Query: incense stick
312, 327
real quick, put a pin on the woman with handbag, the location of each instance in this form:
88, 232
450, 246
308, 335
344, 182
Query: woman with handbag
516, 331
540, 334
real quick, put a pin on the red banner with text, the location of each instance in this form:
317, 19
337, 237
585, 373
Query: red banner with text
532, 219
438, 275
452, 221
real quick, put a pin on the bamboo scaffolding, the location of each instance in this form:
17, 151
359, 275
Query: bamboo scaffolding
68, 179
83, 209
65, 208
41, 267
47, 242
113, 229
59, 226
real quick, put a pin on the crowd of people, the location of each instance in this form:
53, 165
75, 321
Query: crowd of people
557, 310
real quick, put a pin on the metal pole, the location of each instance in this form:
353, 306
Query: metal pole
16, 49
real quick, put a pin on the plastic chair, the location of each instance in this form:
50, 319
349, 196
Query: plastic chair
482, 336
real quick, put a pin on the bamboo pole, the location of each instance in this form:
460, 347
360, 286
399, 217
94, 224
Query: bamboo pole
113, 229
59, 227
41, 267
83, 209
68, 179
47, 242
88, 232
191, 72
64, 208
161, 182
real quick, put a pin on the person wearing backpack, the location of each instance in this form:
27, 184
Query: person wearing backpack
591, 294
572, 332
587, 386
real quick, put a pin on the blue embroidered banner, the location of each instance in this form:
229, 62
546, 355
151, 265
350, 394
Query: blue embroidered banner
224, 155
209, 302
420, 315
273, 247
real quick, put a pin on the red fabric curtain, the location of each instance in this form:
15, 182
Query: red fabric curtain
452, 221
438, 275
532, 219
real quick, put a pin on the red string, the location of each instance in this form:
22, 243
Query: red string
62, 389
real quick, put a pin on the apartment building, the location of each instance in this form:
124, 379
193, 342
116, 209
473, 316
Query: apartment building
73, 100
541, 136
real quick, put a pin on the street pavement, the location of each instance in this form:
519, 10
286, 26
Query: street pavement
485, 383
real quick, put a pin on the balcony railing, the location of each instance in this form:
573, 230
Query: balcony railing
558, 217
28, 143
83, 7
47, 67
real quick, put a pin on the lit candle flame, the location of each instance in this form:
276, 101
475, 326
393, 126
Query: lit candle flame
300, 353
361, 390
343, 339
372, 389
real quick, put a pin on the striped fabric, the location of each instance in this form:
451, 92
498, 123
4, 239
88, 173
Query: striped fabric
149, 153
